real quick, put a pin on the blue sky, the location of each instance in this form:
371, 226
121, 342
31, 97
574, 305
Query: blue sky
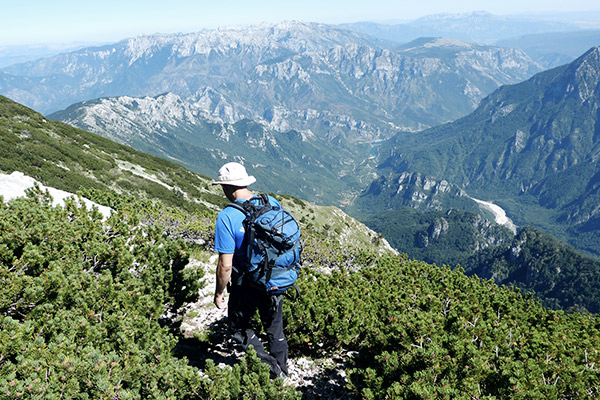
67, 21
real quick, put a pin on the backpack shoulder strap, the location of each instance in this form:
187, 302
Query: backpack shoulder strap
238, 206
248, 207
264, 198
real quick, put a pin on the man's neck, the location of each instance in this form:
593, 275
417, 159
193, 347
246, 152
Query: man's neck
242, 194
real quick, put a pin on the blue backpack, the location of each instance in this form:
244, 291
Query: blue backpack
273, 244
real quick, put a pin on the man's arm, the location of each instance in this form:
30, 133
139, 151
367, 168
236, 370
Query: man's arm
223, 276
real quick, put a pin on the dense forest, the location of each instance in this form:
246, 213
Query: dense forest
532, 260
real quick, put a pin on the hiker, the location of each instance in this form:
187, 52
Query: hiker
243, 298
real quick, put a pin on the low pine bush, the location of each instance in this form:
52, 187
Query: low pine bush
419, 331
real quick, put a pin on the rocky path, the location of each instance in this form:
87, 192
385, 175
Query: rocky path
205, 331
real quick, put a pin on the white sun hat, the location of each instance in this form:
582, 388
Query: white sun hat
234, 174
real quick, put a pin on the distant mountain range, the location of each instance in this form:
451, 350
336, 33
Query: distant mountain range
555, 48
326, 79
550, 41
477, 26
152, 65
310, 97
17, 54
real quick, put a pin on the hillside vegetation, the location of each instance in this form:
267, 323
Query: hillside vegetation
90, 306
539, 264
84, 302
81, 307
439, 237
67, 158
419, 331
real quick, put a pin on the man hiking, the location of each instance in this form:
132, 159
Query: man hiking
244, 299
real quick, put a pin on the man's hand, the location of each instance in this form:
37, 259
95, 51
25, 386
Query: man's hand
220, 301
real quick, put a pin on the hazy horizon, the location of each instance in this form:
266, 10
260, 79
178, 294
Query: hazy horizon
61, 22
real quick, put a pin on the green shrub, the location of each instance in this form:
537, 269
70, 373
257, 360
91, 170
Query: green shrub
419, 331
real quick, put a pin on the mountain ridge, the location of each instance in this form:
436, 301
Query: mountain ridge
60, 156
123, 66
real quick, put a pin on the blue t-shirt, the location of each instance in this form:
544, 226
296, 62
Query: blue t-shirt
229, 232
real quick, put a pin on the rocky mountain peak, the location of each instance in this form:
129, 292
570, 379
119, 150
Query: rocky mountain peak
587, 75
578, 81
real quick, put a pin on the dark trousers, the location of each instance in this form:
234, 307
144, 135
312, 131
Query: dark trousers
243, 302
